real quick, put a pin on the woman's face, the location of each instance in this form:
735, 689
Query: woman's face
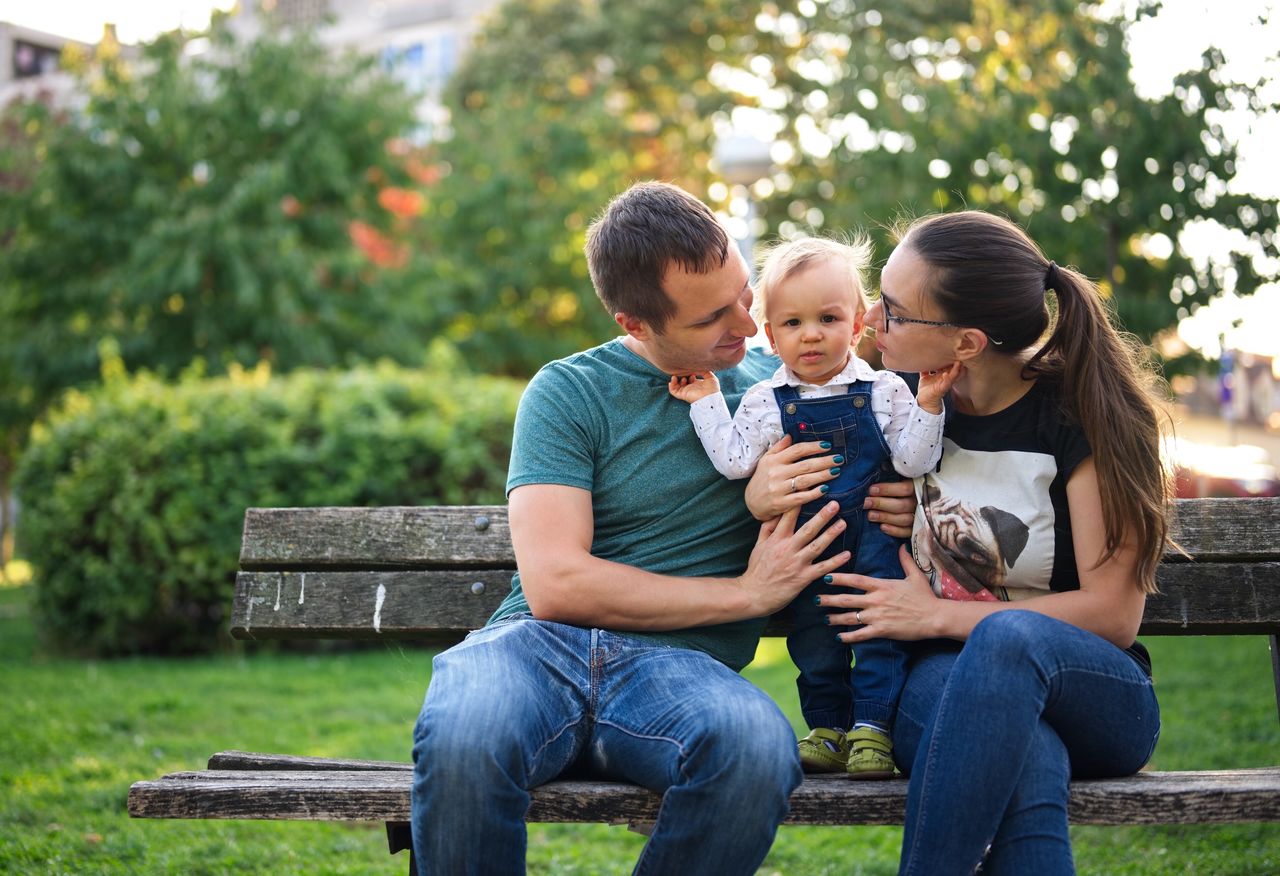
909, 346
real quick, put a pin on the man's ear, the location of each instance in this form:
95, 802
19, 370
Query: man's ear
632, 326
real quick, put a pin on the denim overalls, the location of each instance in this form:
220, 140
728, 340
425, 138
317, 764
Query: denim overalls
829, 691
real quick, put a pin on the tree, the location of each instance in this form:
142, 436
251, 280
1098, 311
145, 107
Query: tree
202, 207
558, 106
1026, 109
1029, 110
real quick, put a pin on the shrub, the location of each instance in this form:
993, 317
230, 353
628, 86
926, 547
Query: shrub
134, 493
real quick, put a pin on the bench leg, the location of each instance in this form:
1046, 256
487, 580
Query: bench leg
400, 838
1275, 669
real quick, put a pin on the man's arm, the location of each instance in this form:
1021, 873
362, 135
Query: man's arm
551, 531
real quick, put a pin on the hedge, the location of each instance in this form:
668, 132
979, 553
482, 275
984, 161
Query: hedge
134, 493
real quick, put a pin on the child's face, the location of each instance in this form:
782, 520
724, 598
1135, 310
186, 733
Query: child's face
814, 318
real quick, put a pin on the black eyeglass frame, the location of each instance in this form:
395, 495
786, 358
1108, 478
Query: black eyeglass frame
907, 320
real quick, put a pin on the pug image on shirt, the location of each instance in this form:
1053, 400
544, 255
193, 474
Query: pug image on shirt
969, 550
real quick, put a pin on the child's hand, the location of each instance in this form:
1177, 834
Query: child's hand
935, 384
692, 387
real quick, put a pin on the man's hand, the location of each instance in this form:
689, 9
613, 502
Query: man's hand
787, 476
782, 561
893, 506
936, 384
693, 387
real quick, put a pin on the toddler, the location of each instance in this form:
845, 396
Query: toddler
811, 302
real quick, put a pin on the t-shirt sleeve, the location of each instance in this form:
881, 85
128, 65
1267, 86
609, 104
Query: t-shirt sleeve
1067, 438
553, 442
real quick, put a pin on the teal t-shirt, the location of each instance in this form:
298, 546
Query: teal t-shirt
602, 420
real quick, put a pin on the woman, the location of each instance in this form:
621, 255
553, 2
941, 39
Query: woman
1036, 542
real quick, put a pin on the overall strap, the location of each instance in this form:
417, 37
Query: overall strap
785, 393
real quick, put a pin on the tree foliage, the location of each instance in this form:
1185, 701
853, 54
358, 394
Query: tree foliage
203, 206
1026, 109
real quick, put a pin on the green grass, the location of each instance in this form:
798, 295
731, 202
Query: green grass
75, 734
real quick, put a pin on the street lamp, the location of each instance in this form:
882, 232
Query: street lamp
744, 160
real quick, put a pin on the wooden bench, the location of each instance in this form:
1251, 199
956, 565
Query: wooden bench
431, 574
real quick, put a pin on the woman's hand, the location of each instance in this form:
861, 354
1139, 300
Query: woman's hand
788, 475
904, 610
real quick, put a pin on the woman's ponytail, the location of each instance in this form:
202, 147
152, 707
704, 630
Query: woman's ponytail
1106, 386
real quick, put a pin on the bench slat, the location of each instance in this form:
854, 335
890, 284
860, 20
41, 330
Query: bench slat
423, 537
1195, 598
371, 538
1202, 797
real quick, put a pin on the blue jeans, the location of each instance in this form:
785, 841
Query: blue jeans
518, 703
990, 734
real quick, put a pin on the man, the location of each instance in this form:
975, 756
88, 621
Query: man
618, 648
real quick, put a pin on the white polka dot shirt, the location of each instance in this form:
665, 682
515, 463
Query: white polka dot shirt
735, 443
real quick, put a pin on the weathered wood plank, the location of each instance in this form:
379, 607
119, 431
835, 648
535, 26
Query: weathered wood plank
1196, 598
407, 537
422, 537
365, 605
254, 760
1208, 797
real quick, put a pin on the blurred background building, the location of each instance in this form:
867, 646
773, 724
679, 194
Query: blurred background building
30, 63
419, 41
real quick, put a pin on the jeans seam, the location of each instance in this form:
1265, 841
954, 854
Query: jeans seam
550, 741
1051, 678
648, 736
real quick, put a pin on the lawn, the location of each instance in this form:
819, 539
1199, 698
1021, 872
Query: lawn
74, 734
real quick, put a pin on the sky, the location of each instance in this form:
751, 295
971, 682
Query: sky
1160, 47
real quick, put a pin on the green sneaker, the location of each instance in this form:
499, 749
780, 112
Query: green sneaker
824, 750
870, 754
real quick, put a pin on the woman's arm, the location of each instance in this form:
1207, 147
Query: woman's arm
1108, 602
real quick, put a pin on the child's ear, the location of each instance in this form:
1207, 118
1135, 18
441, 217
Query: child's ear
768, 333
859, 323
632, 326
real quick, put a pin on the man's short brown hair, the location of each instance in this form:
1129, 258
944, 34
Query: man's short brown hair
639, 236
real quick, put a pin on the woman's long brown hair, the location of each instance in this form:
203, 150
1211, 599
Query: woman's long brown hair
986, 272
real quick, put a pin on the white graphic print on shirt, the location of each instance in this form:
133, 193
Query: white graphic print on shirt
983, 528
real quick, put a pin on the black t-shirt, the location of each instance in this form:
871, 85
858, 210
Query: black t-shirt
992, 520
983, 528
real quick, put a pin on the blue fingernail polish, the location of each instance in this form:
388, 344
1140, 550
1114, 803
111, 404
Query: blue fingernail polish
838, 459
838, 639
826, 619
824, 489
817, 600
826, 579
825, 445
836, 470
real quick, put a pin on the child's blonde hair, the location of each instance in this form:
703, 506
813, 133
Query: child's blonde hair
786, 258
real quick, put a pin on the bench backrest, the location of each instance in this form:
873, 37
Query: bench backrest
435, 573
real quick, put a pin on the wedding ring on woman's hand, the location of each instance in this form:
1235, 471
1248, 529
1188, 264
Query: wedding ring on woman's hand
793, 485
857, 616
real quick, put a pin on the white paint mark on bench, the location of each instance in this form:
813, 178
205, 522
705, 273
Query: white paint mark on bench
302, 587
377, 608
279, 585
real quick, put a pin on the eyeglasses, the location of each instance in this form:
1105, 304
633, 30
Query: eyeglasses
906, 320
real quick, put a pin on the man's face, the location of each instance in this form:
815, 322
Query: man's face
712, 320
